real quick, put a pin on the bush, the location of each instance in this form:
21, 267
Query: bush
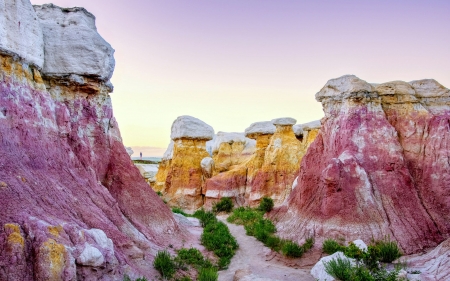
352, 251
141, 279
388, 250
193, 257
339, 268
164, 264
361, 273
208, 274
292, 250
185, 278
204, 217
309, 243
331, 246
266, 204
224, 205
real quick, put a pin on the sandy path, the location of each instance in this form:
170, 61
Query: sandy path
252, 257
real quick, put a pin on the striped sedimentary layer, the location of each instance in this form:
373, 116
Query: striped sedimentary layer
378, 167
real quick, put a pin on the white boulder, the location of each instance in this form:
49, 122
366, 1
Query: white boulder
343, 87
20, 31
260, 128
148, 171
90, 256
188, 127
318, 270
72, 43
213, 145
207, 165
101, 239
360, 244
428, 88
298, 130
285, 121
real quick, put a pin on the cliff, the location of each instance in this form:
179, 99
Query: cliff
378, 167
74, 207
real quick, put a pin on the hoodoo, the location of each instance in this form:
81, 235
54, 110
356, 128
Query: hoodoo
378, 167
184, 181
74, 207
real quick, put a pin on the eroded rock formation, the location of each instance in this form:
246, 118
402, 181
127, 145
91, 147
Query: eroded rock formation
378, 167
183, 184
74, 207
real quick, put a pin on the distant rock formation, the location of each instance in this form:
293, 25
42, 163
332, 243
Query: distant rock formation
129, 151
148, 172
184, 181
74, 207
271, 169
378, 167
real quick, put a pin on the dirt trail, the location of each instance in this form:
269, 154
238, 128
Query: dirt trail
252, 259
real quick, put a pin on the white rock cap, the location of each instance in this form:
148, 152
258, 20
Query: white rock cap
207, 165
342, 87
298, 129
311, 125
225, 137
428, 88
285, 121
189, 127
129, 151
20, 32
261, 128
72, 44
169, 151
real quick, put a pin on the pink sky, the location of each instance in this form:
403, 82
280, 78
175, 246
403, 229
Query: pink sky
234, 62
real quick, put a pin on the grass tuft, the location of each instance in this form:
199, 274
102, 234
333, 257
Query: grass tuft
331, 246
339, 268
208, 274
164, 264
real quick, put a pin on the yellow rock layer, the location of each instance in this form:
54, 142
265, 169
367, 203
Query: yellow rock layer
51, 255
15, 70
229, 155
281, 162
14, 235
161, 175
184, 181
55, 230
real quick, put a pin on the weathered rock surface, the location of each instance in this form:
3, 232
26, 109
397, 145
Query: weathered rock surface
434, 265
72, 44
20, 32
74, 207
379, 166
148, 172
180, 178
230, 149
129, 151
269, 171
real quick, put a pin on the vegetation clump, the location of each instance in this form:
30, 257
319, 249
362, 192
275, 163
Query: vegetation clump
266, 205
180, 211
368, 263
224, 205
208, 274
164, 264
216, 237
264, 230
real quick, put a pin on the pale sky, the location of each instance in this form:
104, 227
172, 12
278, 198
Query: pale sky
231, 63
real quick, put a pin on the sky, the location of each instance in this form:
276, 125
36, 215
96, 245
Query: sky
234, 62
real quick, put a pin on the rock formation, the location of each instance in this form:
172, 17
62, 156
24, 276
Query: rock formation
129, 151
148, 172
184, 181
74, 207
378, 167
280, 164
163, 169
230, 149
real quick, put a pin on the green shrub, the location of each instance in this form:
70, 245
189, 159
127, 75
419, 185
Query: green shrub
309, 243
126, 278
244, 216
194, 257
217, 238
185, 278
224, 205
331, 246
339, 268
371, 258
141, 279
388, 250
179, 211
360, 273
164, 264
208, 274
352, 251
274, 243
292, 250
159, 193
205, 217
266, 204
384, 275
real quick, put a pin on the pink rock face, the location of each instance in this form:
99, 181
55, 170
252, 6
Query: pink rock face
71, 198
379, 166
